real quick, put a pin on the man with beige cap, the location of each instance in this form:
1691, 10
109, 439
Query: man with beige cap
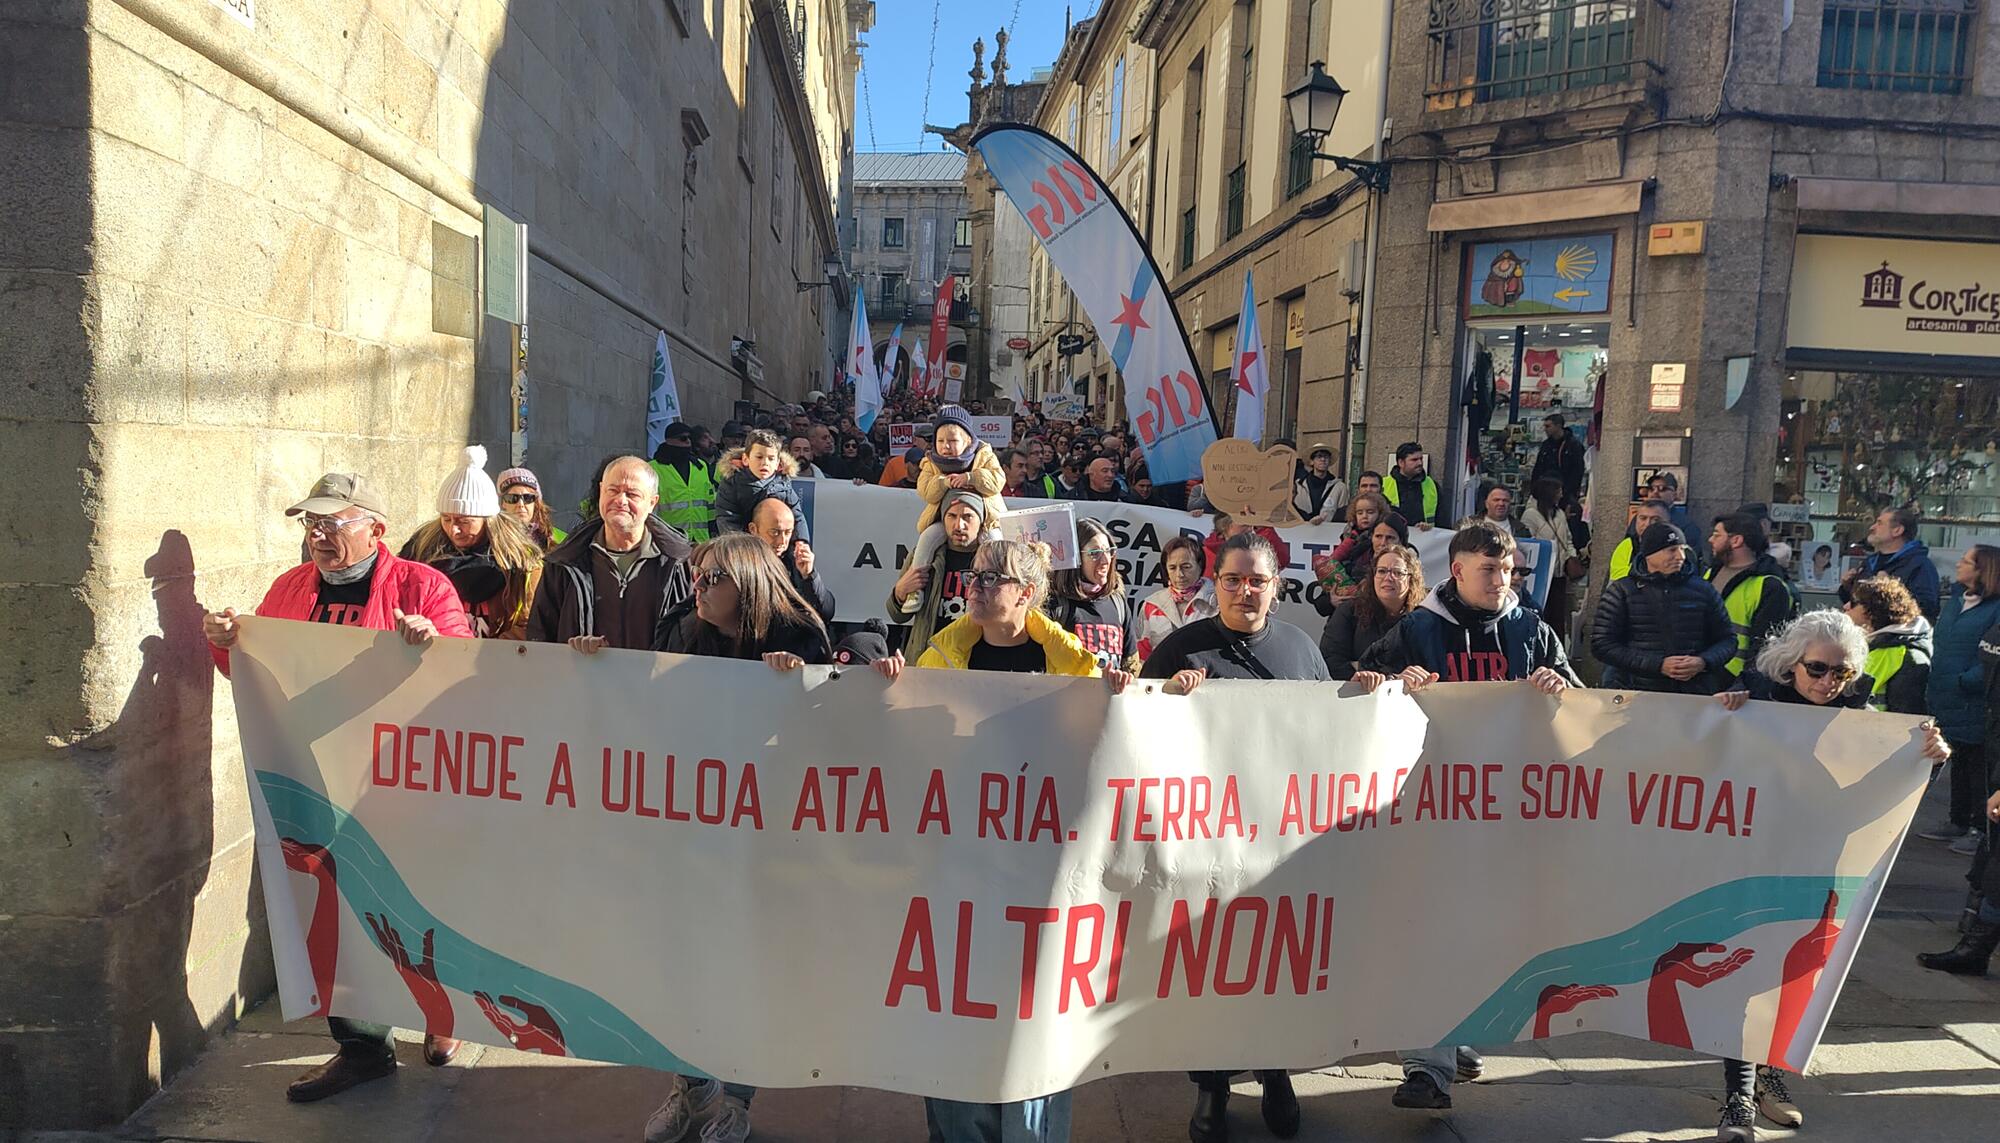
354, 581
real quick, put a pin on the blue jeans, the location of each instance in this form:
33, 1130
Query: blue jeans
1044, 1120
1441, 1062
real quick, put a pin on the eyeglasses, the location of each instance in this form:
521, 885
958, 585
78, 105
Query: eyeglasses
1841, 672
1097, 553
710, 578
520, 498
1391, 574
987, 580
330, 525
1254, 584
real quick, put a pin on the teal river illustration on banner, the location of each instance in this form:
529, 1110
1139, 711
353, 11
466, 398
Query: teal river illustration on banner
593, 1027
596, 1029
1713, 915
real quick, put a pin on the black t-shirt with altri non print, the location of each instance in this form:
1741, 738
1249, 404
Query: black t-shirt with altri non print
954, 589
342, 604
1279, 651
1027, 658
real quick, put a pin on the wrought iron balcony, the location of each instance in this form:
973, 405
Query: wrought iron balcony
1482, 51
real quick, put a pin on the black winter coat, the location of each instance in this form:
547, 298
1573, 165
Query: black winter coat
1347, 636
1644, 619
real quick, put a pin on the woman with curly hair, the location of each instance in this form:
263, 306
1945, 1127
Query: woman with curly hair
1391, 589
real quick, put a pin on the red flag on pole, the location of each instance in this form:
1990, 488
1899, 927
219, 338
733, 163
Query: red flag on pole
940, 331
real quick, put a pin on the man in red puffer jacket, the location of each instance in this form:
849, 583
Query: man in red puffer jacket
352, 581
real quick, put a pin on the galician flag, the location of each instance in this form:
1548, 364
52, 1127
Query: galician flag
663, 397
890, 355
920, 370
1248, 372
861, 368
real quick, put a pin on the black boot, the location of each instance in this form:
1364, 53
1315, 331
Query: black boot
1281, 1105
1211, 1117
1970, 955
1970, 914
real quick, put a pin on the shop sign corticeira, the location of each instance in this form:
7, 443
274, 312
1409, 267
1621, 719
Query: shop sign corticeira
1895, 295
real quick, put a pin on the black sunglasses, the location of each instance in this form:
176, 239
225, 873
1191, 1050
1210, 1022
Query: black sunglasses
1819, 670
520, 498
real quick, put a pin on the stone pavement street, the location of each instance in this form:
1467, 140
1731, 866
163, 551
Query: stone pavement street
1911, 1055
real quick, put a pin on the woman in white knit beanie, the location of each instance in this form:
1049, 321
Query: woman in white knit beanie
491, 557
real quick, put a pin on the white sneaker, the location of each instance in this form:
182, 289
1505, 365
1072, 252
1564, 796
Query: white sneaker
687, 1101
1739, 1121
1774, 1099
1967, 845
730, 1125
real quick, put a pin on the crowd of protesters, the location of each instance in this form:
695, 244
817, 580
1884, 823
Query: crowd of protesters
704, 549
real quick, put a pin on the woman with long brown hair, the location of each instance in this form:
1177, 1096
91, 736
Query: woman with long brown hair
490, 557
1391, 589
1089, 599
744, 607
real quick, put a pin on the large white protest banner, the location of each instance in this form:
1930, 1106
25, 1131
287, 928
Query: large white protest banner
868, 532
988, 886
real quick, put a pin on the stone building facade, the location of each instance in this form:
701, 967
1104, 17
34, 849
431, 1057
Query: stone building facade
241, 252
911, 228
1686, 228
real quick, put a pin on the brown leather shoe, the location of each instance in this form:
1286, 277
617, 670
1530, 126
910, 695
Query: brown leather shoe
337, 1075
438, 1050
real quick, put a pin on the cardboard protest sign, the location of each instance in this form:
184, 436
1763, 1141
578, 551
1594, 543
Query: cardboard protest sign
1254, 486
996, 431
1051, 524
1063, 407
902, 437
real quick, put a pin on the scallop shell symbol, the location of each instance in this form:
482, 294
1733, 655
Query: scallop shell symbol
1575, 263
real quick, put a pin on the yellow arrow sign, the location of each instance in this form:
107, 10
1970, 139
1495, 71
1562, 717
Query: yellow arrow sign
1568, 294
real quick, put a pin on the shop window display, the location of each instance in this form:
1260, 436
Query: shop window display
1517, 375
1852, 444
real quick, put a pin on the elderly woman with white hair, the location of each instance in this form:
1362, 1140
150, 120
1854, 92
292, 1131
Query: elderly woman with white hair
1816, 660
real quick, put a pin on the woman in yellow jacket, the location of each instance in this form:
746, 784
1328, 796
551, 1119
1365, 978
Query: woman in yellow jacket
1004, 629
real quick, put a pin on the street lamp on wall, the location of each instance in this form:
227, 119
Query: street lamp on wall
1314, 105
833, 270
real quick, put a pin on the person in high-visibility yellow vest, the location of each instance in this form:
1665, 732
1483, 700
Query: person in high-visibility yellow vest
687, 488
1899, 643
1753, 586
1650, 513
1410, 490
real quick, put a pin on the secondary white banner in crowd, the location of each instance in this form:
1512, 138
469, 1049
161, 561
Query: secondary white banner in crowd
863, 533
990, 886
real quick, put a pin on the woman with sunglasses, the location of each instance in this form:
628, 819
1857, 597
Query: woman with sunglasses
1003, 629
521, 497
1089, 600
1814, 660
1391, 590
1242, 641
745, 607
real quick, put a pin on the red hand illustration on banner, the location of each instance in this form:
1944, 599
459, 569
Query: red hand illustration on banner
1666, 1021
421, 977
1803, 962
1557, 999
323, 936
538, 1033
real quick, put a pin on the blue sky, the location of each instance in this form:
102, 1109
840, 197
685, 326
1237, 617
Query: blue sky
893, 64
